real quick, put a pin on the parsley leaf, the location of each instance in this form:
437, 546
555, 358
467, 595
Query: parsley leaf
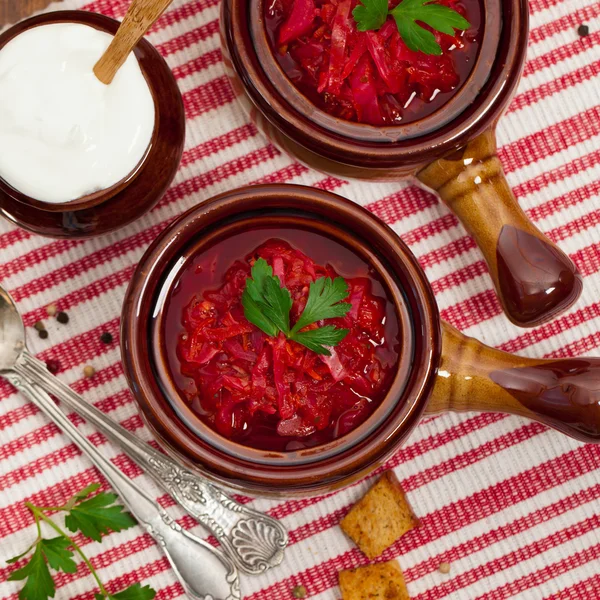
267, 305
39, 584
58, 554
93, 516
278, 304
86, 491
96, 516
370, 15
133, 592
317, 340
324, 302
408, 14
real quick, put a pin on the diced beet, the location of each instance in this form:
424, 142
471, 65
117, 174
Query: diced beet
359, 49
235, 349
389, 70
335, 366
364, 93
319, 47
278, 270
337, 51
299, 21
249, 384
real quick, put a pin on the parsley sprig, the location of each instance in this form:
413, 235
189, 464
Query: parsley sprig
93, 516
267, 305
372, 14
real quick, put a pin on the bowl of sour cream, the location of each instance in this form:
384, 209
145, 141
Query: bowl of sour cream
77, 157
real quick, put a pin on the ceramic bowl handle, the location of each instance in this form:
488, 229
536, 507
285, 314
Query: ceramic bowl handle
533, 278
562, 393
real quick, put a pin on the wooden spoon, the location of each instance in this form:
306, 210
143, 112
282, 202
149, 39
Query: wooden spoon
139, 18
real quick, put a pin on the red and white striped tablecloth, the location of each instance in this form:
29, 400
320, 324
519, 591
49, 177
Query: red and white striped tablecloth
511, 506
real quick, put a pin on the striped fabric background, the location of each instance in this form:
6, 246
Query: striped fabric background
512, 506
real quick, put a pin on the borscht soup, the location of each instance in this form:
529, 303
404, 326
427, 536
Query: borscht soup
359, 62
277, 338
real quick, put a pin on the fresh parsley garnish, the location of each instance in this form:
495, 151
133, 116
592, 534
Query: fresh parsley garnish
92, 517
97, 516
267, 305
372, 14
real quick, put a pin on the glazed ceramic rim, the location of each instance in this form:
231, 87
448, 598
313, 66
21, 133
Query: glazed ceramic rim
101, 196
273, 471
462, 98
273, 222
505, 68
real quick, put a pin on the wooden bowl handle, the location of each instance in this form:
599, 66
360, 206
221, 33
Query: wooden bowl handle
563, 393
533, 278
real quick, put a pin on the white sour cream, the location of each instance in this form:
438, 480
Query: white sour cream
63, 133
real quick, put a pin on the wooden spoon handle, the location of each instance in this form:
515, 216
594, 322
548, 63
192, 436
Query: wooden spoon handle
534, 280
561, 393
139, 18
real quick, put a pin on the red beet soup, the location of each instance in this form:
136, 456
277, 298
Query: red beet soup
372, 76
271, 392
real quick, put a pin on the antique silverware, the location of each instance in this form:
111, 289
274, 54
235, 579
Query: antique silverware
253, 541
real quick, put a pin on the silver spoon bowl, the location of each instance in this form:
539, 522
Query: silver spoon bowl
250, 540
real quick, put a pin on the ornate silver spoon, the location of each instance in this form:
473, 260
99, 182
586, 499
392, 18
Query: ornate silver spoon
254, 541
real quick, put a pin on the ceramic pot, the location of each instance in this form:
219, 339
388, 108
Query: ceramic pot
129, 199
451, 152
440, 370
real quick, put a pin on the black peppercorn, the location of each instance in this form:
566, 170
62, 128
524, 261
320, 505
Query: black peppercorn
62, 317
106, 338
583, 30
43, 333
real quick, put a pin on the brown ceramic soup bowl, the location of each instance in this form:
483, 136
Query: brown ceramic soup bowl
439, 369
124, 202
451, 151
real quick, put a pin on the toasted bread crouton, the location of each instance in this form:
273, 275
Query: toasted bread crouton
381, 517
374, 582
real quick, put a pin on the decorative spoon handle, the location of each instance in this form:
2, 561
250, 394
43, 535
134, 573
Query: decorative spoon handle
205, 572
253, 540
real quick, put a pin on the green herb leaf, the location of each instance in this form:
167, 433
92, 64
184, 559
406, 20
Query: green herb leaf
371, 14
39, 584
324, 302
408, 14
93, 516
58, 554
254, 313
278, 304
266, 303
18, 557
87, 491
261, 271
96, 516
317, 340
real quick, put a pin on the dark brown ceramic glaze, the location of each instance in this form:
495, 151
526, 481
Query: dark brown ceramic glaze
466, 378
313, 469
534, 280
126, 201
448, 151
563, 394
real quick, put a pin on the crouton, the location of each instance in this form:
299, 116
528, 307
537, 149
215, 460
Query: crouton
374, 582
380, 518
